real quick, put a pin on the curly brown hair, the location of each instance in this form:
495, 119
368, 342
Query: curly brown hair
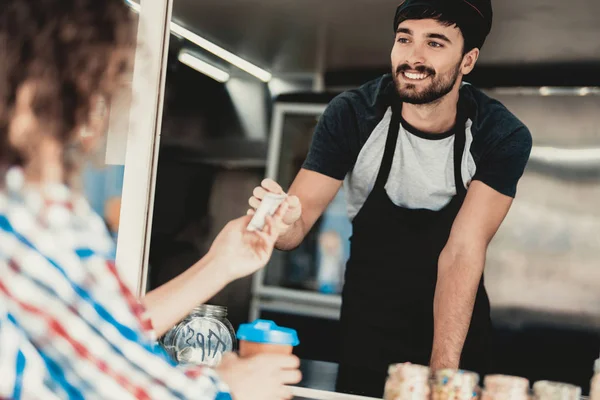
59, 57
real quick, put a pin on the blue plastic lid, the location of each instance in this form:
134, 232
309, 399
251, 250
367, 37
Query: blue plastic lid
263, 331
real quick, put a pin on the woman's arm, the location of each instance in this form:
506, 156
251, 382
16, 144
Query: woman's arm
235, 253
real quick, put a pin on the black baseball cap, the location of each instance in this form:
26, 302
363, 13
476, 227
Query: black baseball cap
473, 17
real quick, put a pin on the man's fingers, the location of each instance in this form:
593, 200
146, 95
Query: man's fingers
254, 202
259, 193
271, 186
293, 201
250, 212
283, 208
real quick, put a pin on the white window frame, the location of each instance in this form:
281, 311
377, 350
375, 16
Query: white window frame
275, 298
143, 139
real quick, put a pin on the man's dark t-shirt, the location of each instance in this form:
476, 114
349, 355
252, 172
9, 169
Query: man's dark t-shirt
350, 138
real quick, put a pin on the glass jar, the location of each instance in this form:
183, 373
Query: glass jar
201, 338
504, 387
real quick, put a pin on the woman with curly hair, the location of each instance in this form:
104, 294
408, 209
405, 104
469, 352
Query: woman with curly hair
69, 326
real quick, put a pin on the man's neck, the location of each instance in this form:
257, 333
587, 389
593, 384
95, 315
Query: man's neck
436, 117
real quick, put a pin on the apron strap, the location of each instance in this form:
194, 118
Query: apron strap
459, 149
390, 147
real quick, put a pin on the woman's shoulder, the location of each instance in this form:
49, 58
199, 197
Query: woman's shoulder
55, 226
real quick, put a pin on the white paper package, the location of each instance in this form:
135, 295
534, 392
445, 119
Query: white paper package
268, 206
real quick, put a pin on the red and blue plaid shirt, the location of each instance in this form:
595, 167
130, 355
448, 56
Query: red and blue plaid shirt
69, 327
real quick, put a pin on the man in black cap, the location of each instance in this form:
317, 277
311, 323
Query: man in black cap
431, 166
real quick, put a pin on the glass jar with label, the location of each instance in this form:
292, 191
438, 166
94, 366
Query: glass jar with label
201, 338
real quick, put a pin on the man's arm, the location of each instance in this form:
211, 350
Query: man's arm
460, 268
333, 151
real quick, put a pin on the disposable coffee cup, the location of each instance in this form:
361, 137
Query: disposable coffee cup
263, 336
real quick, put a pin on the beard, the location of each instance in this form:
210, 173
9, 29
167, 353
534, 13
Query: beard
439, 86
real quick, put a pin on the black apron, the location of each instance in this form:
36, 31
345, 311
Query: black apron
387, 300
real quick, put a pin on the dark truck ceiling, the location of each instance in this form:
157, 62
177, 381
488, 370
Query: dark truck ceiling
297, 37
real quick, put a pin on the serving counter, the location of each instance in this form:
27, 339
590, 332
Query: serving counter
318, 383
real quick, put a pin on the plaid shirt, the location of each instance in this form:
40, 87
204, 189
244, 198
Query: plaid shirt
69, 327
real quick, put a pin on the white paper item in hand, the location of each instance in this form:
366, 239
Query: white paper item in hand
268, 206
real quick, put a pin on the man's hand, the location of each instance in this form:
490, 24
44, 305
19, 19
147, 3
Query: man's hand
309, 195
262, 377
241, 252
294, 210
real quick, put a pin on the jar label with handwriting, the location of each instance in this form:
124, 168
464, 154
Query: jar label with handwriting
202, 341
